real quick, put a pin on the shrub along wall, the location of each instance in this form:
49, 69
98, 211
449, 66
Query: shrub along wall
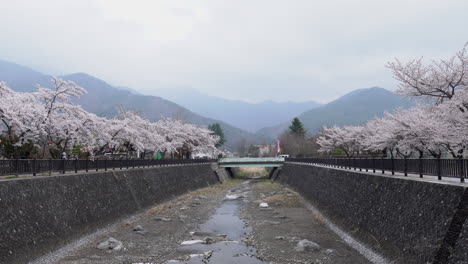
38, 215
407, 220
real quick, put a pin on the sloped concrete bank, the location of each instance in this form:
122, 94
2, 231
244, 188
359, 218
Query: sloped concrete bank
407, 220
38, 215
222, 173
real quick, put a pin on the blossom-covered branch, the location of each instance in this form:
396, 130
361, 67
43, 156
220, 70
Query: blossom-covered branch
50, 119
437, 126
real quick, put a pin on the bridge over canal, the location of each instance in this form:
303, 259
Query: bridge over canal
273, 164
251, 162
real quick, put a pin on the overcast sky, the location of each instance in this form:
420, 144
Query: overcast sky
252, 50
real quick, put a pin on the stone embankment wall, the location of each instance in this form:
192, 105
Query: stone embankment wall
408, 220
38, 215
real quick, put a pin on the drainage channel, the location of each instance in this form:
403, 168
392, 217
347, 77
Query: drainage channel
221, 238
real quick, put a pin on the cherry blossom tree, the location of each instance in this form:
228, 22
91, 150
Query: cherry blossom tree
19, 114
437, 126
346, 138
443, 83
183, 138
49, 118
438, 81
62, 124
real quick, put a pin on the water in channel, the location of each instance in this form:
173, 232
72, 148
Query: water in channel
228, 231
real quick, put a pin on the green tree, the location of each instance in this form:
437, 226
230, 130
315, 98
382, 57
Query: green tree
297, 128
10, 150
217, 130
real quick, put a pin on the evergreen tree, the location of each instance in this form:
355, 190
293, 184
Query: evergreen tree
297, 128
217, 130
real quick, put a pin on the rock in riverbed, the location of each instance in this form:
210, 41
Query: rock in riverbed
162, 219
209, 240
110, 244
233, 196
306, 245
138, 228
191, 242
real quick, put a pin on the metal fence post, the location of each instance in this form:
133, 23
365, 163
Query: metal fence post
34, 167
76, 165
462, 171
97, 164
405, 166
17, 167
360, 164
105, 164
420, 167
439, 174
63, 166
383, 170
87, 164
373, 165
393, 165
50, 166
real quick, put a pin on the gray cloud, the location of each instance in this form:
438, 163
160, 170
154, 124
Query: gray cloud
255, 50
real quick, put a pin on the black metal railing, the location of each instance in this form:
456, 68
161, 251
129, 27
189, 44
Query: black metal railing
452, 168
41, 166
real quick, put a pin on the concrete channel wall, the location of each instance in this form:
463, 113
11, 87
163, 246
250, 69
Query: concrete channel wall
408, 220
38, 215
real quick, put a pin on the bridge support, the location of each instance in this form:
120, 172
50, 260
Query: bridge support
274, 173
230, 172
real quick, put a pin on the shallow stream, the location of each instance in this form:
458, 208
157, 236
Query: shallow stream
228, 231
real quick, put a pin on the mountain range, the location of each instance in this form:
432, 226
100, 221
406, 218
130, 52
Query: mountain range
247, 116
353, 108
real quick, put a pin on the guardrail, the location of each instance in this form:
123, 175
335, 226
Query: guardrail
36, 166
452, 168
251, 160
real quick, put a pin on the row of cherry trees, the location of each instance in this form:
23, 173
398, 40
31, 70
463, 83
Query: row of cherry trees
51, 120
437, 125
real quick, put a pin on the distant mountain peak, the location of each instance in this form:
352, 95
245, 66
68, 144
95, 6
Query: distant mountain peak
82, 75
85, 77
5, 62
370, 89
355, 107
374, 91
242, 114
12, 67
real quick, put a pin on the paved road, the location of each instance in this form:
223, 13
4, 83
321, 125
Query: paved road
219, 224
